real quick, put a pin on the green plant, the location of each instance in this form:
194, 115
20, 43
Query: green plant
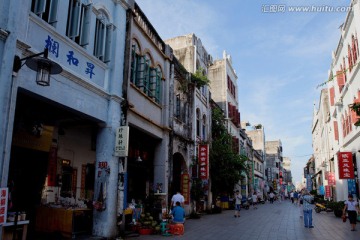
199, 78
356, 108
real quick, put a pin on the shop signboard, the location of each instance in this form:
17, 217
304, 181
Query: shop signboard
321, 190
185, 187
351, 186
331, 179
327, 191
204, 161
346, 168
308, 182
122, 141
52, 165
3, 204
40, 138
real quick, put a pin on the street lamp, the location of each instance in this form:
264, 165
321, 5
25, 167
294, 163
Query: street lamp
42, 65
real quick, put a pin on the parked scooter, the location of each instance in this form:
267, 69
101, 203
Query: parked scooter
245, 204
320, 208
260, 200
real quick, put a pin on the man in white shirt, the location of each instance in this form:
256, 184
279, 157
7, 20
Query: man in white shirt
177, 198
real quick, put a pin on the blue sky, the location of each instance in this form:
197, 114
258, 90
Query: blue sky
280, 57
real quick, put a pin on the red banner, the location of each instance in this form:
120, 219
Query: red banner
3, 205
346, 168
327, 191
331, 179
185, 187
204, 161
51, 174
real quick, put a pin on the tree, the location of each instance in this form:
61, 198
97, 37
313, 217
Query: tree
226, 165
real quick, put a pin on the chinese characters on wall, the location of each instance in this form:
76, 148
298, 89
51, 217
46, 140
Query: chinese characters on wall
346, 167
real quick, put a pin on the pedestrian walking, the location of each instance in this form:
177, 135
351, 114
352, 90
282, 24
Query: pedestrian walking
352, 208
307, 209
292, 196
300, 204
177, 198
238, 199
254, 200
296, 195
271, 195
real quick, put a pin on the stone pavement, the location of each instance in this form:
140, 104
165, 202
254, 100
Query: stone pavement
268, 222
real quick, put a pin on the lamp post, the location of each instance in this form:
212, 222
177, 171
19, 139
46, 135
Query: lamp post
42, 65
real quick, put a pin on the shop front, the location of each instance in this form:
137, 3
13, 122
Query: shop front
52, 167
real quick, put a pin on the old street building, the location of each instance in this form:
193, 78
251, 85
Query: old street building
274, 160
343, 91
57, 146
190, 52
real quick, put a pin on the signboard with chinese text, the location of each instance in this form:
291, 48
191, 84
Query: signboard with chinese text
331, 179
321, 190
3, 204
52, 165
351, 186
185, 187
327, 191
204, 161
71, 59
308, 182
346, 167
122, 141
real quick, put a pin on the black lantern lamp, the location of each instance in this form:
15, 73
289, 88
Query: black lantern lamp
42, 65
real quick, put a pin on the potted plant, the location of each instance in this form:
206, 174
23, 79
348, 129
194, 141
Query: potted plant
338, 208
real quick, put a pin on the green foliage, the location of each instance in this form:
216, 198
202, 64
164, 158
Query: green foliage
199, 78
196, 191
226, 166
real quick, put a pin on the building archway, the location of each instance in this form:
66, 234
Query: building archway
178, 167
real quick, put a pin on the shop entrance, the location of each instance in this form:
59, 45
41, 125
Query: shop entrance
47, 172
178, 168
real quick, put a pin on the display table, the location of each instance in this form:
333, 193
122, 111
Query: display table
69, 222
8, 229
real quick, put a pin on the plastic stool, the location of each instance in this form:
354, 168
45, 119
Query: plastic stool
177, 229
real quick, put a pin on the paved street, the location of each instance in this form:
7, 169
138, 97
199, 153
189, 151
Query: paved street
268, 222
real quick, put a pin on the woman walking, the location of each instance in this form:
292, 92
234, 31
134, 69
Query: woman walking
352, 208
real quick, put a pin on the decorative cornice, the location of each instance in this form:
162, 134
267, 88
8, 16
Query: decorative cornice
4, 34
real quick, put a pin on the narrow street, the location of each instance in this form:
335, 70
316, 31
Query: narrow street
268, 222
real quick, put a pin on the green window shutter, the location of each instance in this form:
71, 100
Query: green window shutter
74, 20
140, 71
109, 31
153, 73
39, 7
99, 39
134, 58
146, 79
53, 11
158, 87
85, 25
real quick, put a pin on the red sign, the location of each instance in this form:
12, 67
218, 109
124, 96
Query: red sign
327, 191
51, 173
331, 179
346, 167
204, 161
3, 204
185, 187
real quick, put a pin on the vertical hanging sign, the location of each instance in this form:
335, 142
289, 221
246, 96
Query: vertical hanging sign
204, 161
185, 187
52, 165
3, 204
331, 179
122, 141
327, 191
346, 167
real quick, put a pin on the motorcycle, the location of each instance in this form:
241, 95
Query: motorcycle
245, 204
321, 208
